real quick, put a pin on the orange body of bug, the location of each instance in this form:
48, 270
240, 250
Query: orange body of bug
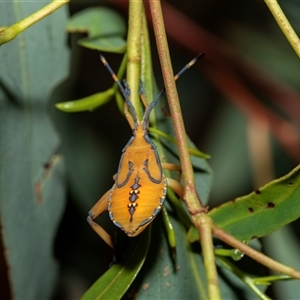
140, 188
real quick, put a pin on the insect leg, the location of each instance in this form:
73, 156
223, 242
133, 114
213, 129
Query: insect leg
176, 187
171, 167
96, 211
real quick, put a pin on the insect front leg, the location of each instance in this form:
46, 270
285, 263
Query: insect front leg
97, 210
176, 186
172, 167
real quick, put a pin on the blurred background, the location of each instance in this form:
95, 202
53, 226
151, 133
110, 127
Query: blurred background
241, 105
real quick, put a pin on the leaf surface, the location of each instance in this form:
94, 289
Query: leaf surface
105, 28
115, 282
32, 187
162, 277
262, 211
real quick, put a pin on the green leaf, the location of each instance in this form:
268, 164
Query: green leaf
105, 29
109, 44
192, 151
262, 211
88, 103
92, 102
32, 193
163, 277
115, 282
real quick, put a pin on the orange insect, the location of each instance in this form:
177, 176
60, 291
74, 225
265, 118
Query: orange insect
140, 186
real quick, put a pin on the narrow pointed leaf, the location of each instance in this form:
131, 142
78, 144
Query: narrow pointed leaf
262, 211
115, 282
105, 29
88, 103
109, 44
165, 277
32, 185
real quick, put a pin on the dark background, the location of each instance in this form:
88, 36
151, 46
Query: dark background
229, 101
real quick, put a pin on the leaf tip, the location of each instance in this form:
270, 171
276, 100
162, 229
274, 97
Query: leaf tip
65, 106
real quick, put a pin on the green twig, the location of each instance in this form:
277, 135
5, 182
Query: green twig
192, 151
256, 255
244, 277
202, 222
134, 53
146, 65
193, 204
208, 256
170, 231
8, 33
266, 280
284, 24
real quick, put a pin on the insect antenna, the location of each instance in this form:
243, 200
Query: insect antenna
159, 95
124, 89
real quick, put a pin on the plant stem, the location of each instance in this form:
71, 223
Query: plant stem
244, 277
258, 256
8, 33
193, 204
284, 24
208, 256
146, 65
202, 222
134, 53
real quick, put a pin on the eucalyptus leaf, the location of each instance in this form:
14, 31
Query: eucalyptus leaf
261, 212
105, 28
115, 282
92, 102
87, 103
163, 277
110, 44
32, 193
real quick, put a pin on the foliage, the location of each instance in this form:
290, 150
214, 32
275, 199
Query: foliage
149, 266
32, 193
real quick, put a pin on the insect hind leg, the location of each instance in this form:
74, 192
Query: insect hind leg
97, 210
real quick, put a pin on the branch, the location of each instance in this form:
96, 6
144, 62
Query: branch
134, 52
8, 33
284, 24
193, 203
256, 255
202, 222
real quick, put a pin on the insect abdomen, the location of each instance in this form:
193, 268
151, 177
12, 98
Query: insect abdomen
137, 203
